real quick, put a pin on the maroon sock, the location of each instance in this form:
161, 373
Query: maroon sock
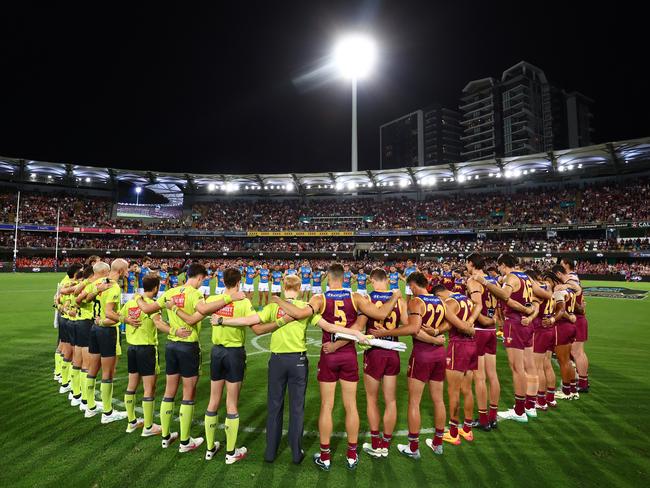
414, 441
325, 453
492, 415
453, 427
352, 450
583, 382
385, 442
574, 387
467, 425
529, 402
483, 417
541, 398
437, 439
520, 403
550, 395
375, 439
566, 389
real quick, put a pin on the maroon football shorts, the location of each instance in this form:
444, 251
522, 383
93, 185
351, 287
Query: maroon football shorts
516, 335
339, 365
543, 339
581, 328
462, 356
379, 362
427, 364
486, 341
566, 333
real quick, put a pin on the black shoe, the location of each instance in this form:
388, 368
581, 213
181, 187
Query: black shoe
475, 423
299, 460
583, 390
485, 427
494, 425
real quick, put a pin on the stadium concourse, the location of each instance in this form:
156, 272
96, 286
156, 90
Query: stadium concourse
488, 275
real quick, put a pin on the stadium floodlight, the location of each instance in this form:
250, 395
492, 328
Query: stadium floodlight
355, 56
49, 177
517, 173
490, 175
339, 186
403, 183
87, 179
570, 167
212, 187
138, 190
33, 175
461, 178
533, 170
580, 166
350, 185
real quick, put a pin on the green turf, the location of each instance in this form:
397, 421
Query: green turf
603, 439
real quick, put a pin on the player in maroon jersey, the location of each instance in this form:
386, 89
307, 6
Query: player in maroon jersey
447, 276
381, 367
486, 346
543, 338
516, 294
462, 359
338, 359
566, 333
570, 277
426, 323
459, 282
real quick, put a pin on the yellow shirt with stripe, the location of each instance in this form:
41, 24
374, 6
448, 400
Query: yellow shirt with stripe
291, 337
87, 309
111, 295
62, 298
185, 298
146, 334
231, 336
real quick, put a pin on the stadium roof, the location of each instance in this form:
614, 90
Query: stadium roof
609, 158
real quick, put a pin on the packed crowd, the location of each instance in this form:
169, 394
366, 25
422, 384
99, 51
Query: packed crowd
628, 269
605, 203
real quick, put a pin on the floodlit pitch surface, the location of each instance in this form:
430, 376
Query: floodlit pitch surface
602, 439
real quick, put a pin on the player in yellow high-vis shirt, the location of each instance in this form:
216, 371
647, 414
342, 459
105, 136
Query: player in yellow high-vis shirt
65, 338
227, 366
142, 357
104, 347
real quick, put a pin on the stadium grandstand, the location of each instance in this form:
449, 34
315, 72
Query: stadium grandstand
591, 203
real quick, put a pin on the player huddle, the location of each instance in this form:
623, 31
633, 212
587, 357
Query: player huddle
452, 316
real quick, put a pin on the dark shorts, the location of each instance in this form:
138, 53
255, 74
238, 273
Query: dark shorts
183, 358
462, 356
380, 362
565, 333
581, 328
486, 341
543, 339
227, 363
103, 341
82, 332
427, 363
517, 336
339, 365
143, 360
64, 335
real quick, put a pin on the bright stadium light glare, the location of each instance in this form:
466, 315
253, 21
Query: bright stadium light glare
461, 178
290, 187
580, 166
33, 175
87, 179
517, 173
355, 56
350, 185
138, 189
403, 183
339, 186
570, 167
533, 170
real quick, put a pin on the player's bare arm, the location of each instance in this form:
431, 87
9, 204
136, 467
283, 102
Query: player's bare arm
298, 313
165, 327
475, 290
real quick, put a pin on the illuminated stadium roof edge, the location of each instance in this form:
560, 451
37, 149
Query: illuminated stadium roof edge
614, 157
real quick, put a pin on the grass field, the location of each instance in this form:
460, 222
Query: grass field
602, 439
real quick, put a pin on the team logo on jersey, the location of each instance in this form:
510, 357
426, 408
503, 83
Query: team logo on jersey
281, 313
179, 300
227, 311
134, 312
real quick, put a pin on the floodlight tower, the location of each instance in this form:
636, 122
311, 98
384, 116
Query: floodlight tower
355, 57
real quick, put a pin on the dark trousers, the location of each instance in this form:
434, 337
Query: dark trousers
287, 369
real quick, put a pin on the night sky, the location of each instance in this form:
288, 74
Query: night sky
217, 90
